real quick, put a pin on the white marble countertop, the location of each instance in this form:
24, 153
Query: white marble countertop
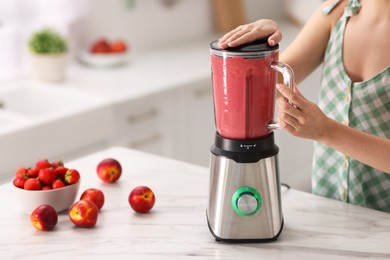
176, 228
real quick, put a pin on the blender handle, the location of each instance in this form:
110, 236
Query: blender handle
288, 80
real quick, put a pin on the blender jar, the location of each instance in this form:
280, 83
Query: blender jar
244, 80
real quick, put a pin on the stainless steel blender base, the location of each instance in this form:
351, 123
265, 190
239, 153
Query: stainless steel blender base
244, 200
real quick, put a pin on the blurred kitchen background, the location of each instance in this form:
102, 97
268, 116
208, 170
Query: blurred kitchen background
171, 35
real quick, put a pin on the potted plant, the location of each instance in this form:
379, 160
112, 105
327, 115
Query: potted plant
48, 51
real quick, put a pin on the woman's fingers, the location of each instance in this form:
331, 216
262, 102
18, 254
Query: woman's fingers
275, 38
289, 113
237, 30
241, 35
296, 99
260, 29
287, 121
229, 37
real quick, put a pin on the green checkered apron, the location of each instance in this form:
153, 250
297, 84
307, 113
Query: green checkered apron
361, 105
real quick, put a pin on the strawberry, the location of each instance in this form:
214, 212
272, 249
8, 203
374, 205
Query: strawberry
58, 184
32, 172
61, 172
41, 164
100, 46
72, 176
19, 181
21, 172
47, 175
57, 164
32, 184
118, 46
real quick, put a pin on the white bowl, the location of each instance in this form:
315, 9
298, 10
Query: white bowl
60, 199
103, 59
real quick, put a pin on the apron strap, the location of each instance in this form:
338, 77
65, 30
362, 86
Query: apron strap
352, 7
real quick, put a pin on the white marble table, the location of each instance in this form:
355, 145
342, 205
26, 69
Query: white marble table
315, 227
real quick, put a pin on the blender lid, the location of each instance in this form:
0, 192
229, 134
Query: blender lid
255, 46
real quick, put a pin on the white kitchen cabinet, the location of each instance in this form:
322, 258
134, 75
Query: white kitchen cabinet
156, 139
176, 123
145, 124
142, 112
195, 131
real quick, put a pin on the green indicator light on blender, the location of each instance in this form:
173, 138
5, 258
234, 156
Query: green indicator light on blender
246, 201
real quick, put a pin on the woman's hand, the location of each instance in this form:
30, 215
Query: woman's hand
305, 119
250, 32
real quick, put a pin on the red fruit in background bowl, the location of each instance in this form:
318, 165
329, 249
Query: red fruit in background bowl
41, 164
142, 199
44, 217
19, 182
58, 184
100, 46
21, 172
94, 195
118, 46
71, 176
32, 184
32, 172
57, 164
47, 175
109, 170
83, 213
61, 171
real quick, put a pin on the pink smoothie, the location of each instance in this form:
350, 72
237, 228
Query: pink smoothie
244, 95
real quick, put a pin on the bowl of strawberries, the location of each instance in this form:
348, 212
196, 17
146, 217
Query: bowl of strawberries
46, 182
105, 53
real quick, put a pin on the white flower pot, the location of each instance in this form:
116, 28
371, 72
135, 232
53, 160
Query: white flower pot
48, 67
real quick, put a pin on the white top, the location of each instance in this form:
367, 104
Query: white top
176, 228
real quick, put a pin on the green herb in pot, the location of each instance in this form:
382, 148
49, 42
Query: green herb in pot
47, 41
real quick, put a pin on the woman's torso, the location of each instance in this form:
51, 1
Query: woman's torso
355, 91
366, 42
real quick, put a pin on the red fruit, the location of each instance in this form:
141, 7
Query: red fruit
19, 182
72, 176
142, 199
100, 46
46, 188
47, 175
94, 195
61, 171
32, 184
118, 46
57, 164
32, 172
41, 164
83, 213
58, 184
109, 170
21, 172
44, 217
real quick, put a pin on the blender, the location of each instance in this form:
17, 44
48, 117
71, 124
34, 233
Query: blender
244, 194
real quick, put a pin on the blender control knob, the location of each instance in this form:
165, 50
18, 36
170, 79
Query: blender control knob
247, 204
246, 201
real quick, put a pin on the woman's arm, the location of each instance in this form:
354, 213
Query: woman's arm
307, 50
306, 120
